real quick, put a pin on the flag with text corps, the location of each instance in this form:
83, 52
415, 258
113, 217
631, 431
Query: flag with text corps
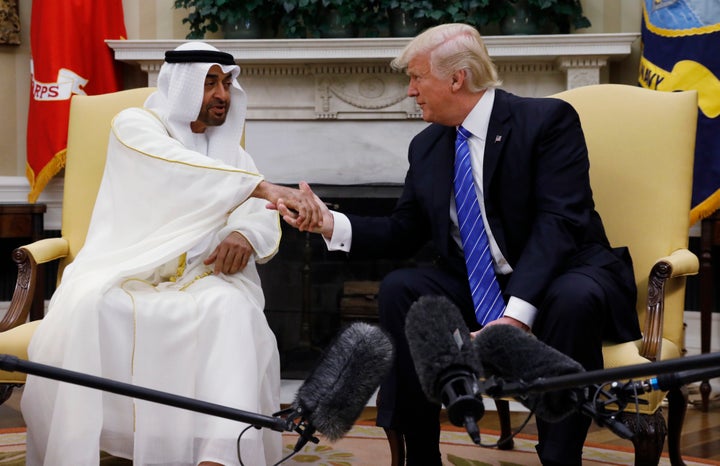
681, 51
69, 57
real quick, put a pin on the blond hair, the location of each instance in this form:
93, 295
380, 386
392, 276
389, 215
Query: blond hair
453, 47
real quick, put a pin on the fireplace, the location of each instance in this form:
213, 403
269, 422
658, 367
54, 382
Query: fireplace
311, 293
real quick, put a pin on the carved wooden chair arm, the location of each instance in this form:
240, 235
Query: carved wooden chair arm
678, 264
27, 259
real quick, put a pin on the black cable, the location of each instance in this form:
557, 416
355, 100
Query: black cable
292, 453
512, 434
239, 455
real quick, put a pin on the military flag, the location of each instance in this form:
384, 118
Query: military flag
69, 57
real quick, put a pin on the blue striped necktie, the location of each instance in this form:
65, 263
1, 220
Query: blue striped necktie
486, 294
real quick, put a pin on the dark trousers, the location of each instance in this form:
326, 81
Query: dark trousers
570, 319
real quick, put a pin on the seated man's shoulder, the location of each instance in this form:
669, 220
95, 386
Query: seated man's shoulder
136, 116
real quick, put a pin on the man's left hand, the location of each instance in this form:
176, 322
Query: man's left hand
231, 255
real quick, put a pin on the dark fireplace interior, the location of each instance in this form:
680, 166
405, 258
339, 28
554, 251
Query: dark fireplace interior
311, 293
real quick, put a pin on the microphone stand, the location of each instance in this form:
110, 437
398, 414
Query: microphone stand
11, 364
498, 388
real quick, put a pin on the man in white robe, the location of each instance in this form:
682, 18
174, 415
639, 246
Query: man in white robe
165, 292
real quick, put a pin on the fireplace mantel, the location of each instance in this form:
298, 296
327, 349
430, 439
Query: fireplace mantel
332, 111
566, 51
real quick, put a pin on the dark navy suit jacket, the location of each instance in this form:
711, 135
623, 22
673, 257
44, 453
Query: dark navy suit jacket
537, 198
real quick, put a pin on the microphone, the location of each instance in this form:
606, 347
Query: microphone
338, 388
445, 361
511, 353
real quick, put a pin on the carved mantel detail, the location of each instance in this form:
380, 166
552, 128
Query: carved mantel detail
362, 96
582, 71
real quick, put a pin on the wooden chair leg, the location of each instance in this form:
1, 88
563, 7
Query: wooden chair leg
506, 441
397, 447
677, 408
650, 431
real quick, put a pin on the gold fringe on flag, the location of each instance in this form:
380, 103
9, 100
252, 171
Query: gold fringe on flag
706, 208
38, 183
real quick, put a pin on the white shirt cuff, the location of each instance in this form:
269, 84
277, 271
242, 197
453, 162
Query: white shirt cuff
342, 233
521, 310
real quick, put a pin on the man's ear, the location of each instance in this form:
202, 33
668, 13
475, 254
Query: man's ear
458, 80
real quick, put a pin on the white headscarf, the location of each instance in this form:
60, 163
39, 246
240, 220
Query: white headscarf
178, 100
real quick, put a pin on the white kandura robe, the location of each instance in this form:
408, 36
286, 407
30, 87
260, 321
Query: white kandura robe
115, 315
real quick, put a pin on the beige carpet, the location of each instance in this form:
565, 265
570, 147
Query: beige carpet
366, 445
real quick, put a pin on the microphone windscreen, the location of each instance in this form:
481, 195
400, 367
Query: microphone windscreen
511, 353
348, 373
439, 341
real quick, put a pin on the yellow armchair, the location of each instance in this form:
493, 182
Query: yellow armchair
88, 131
641, 146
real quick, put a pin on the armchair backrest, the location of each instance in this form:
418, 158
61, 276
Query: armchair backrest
88, 133
641, 146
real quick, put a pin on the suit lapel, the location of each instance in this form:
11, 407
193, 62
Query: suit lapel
497, 136
443, 162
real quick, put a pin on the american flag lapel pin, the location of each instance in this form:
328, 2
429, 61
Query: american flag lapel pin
498, 138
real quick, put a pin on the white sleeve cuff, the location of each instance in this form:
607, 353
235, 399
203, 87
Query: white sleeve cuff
342, 233
521, 310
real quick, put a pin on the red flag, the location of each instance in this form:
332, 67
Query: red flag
69, 56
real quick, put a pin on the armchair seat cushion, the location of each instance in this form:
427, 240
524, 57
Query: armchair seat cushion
15, 342
625, 354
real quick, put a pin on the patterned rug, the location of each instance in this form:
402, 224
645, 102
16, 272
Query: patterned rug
366, 445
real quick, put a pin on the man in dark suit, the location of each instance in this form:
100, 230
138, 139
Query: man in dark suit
558, 274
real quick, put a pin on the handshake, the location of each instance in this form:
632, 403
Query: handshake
300, 208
